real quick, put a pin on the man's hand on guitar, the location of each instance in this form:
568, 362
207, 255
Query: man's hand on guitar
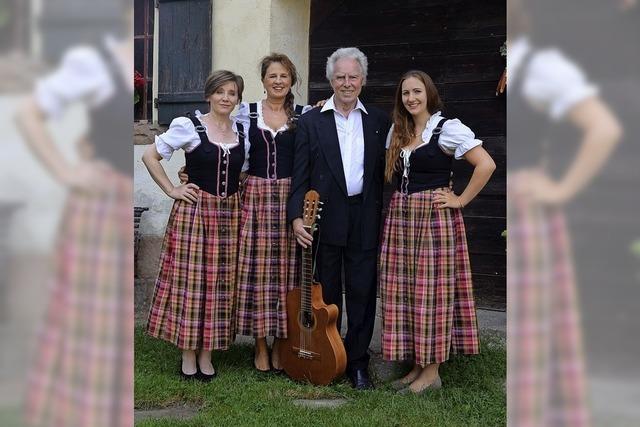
303, 237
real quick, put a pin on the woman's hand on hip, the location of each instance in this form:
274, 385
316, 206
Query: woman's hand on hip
89, 175
446, 199
186, 192
184, 178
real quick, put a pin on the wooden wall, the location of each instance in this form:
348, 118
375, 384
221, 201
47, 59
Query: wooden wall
457, 42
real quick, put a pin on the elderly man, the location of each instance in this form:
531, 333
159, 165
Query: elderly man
340, 152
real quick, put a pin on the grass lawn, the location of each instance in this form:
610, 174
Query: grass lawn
472, 393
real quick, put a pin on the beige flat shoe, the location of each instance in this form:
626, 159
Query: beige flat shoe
398, 385
435, 385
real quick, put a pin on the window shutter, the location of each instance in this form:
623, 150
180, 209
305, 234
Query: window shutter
184, 56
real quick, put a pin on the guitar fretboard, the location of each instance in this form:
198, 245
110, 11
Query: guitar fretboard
307, 277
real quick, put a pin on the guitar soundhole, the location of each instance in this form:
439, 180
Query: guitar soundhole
307, 320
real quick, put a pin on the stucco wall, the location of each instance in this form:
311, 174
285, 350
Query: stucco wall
153, 222
24, 180
243, 32
240, 38
290, 35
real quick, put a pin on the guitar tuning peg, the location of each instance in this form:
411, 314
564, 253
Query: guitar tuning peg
318, 216
319, 209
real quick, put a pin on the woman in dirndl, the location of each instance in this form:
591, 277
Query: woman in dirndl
553, 105
82, 369
267, 265
193, 301
425, 276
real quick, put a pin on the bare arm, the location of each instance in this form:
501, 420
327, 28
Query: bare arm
151, 160
601, 133
483, 167
31, 122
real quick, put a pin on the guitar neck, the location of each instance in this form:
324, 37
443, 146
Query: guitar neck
307, 276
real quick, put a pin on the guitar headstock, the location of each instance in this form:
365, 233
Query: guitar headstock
311, 208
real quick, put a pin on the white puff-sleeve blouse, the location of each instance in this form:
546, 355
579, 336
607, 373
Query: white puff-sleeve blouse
182, 134
243, 117
550, 80
455, 140
82, 75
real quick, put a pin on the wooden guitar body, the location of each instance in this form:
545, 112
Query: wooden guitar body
313, 351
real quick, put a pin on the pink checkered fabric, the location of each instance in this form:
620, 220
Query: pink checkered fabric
193, 301
546, 380
268, 266
82, 374
425, 283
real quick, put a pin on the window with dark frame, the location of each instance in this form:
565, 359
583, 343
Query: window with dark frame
143, 57
14, 25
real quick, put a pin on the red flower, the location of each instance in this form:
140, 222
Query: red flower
138, 81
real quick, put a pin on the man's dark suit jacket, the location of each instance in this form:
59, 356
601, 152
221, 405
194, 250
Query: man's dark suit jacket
318, 166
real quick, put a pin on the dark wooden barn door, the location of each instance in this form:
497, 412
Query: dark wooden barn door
184, 60
458, 43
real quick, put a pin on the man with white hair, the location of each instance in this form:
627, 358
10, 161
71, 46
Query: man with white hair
340, 152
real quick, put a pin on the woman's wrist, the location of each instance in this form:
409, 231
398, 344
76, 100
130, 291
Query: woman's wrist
169, 189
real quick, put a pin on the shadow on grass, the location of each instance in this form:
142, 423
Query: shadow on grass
473, 392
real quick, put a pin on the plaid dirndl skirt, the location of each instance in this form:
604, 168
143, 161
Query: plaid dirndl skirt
82, 373
268, 265
193, 301
546, 380
425, 283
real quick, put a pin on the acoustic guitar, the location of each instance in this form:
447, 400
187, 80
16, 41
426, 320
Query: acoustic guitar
313, 351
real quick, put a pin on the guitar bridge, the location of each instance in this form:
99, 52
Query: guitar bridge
307, 354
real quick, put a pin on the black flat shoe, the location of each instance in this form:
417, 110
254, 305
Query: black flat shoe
276, 370
207, 377
265, 371
186, 376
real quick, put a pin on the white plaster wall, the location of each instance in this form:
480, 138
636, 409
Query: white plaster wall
290, 35
240, 38
148, 194
35, 225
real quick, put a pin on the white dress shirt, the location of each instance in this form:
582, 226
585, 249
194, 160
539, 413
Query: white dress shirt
351, 139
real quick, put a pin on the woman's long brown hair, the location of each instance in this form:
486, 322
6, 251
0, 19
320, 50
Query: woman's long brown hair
403, 124
283, 59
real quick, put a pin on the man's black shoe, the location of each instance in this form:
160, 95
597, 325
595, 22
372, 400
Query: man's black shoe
360, 379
